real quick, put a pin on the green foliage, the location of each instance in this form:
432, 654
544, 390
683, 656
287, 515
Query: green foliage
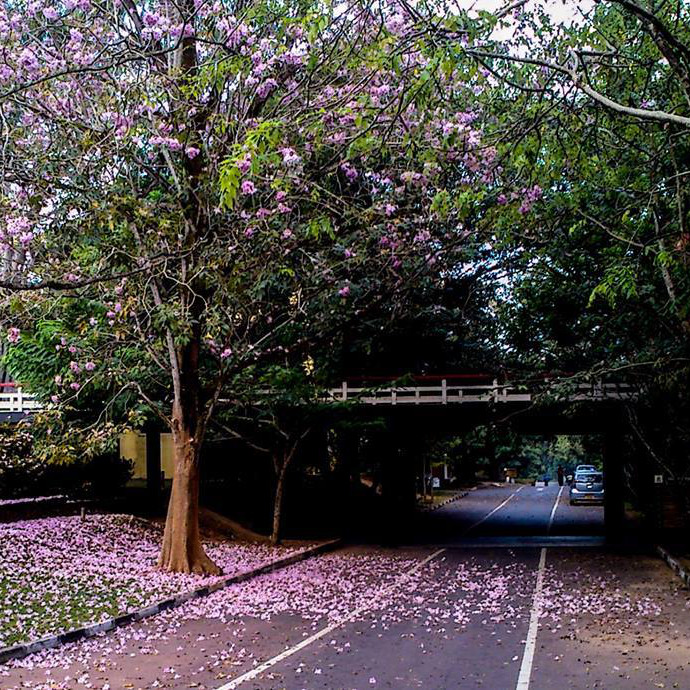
27, 471
33, 361
619, 280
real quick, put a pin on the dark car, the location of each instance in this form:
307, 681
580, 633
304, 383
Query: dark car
587, 487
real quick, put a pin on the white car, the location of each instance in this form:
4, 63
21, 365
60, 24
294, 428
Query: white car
585, 468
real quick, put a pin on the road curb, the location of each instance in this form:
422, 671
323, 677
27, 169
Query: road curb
430, 509
675, 565
21, 650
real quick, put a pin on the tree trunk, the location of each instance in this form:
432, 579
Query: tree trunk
278, 505
182, 550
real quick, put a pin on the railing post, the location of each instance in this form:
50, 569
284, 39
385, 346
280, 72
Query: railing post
20, 400
344, 390
495, 391
444, 392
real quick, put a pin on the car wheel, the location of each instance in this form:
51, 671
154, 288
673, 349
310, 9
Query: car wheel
572, 503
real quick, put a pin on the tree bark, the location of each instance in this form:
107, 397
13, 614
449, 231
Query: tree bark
182, 550
278, 504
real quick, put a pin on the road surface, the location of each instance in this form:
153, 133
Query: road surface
512, 510
441, 614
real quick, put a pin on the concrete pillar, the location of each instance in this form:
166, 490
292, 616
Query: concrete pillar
614, 478
401, 461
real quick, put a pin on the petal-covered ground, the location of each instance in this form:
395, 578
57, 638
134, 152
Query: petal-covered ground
63, 572
462, 613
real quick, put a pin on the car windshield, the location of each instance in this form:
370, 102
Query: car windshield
593, 477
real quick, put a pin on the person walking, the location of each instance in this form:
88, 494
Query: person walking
561, 475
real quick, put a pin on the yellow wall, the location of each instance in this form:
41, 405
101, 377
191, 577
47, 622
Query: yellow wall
167, 462
133, 447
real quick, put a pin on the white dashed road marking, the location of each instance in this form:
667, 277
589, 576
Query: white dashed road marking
554, 509
496, 509
328, 629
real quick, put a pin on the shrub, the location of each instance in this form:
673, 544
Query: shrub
23, 474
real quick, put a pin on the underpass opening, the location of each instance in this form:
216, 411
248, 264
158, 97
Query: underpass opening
514, 486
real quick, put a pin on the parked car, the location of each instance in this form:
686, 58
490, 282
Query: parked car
587, 487
585, 468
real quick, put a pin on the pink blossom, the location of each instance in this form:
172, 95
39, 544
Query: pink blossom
349, 170
248, 187
90, 366
344, 291
290, 157
13, 335
266, 88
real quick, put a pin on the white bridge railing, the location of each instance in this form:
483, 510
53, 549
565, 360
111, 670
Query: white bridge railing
445, 394
17, 401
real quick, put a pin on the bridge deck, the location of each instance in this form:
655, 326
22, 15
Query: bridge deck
16, 401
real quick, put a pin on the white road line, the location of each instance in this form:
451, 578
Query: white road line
328, 629
554, 509
531, 641
497, 508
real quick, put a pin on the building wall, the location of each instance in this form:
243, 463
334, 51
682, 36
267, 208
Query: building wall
167, 458
133, 447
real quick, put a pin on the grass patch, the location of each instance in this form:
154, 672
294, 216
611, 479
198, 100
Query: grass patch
51, 604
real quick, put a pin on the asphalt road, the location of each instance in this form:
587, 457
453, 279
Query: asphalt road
510, 511
419, 616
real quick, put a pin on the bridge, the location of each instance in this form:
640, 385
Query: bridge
454, 403
429, 390
445, 391
15, 403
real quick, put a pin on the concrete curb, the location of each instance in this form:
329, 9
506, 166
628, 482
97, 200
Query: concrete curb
430, 509
675, 565
21, 650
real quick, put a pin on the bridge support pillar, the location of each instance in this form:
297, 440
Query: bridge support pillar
614, 477
399, 462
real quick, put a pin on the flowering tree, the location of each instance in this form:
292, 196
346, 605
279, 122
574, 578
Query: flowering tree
199, 188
